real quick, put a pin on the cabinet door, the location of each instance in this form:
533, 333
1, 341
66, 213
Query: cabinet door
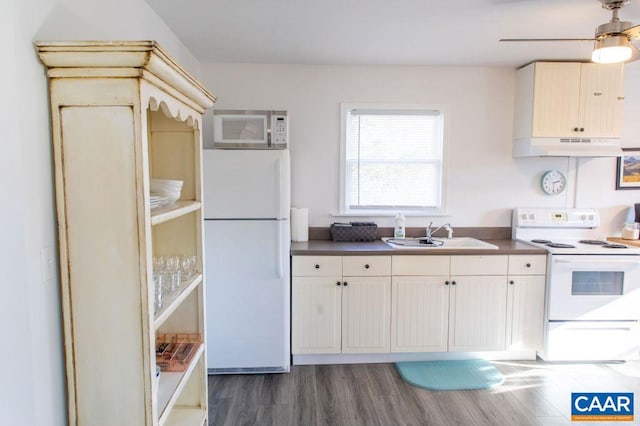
366, 308
601, 95
419, 313
555, 99
525, 312
477, 313
316, 314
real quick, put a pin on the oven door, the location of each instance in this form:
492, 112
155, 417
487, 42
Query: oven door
594, 287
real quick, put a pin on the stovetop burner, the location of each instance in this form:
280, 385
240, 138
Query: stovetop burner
594, 242
560, 245
615, 246
541, 241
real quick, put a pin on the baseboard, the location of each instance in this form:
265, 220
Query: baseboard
421, 356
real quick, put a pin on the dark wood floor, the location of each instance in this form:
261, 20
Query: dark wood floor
534, 393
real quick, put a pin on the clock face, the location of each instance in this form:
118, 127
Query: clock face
553, 182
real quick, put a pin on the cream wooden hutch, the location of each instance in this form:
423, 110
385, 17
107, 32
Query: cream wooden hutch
123, 113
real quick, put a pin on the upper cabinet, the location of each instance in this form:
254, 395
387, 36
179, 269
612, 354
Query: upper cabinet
568, 100
123, 114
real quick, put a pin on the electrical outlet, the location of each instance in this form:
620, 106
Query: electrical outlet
47, 258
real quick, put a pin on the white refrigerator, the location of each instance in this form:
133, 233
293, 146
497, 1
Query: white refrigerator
247, 240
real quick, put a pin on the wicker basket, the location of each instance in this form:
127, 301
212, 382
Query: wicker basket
354, 231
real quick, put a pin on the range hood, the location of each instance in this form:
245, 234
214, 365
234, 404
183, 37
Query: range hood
567, 147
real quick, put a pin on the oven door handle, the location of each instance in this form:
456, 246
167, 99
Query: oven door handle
603, 262
632, 264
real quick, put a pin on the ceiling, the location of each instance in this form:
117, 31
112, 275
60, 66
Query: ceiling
394, 32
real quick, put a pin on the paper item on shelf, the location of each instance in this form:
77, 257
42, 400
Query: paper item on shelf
299, 224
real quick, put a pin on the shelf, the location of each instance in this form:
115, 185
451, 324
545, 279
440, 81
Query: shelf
172, 211
171, 384
174, 300
183, 416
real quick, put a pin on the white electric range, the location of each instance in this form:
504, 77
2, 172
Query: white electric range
593, 286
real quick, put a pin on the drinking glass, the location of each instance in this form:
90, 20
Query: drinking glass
157, 292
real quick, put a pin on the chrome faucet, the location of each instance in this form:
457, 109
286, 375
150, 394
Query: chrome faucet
446, 226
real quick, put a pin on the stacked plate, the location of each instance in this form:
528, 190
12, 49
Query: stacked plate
157, 201
165, 191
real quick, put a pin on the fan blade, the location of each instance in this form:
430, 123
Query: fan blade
635, 53
633, 32
547, 39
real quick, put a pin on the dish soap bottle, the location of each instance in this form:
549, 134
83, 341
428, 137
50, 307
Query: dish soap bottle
398, 230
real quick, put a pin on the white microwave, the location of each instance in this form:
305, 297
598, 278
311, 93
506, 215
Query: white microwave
250, 129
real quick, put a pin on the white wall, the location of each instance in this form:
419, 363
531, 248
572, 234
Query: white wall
483, 181
32, 362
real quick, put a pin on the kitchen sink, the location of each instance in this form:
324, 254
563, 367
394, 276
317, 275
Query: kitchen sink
459, 243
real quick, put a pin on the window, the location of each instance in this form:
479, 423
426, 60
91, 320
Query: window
392, 159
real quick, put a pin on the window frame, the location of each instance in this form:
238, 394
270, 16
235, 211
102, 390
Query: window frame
345, 109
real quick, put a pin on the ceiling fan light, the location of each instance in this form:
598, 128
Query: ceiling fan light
611, 50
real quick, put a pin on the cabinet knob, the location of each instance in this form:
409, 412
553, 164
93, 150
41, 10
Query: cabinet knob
345, 283
575, 129
366, 266
528, 265
338, 283
446, 283
317, 266
597, 93
582, 129
511, 282
453, 283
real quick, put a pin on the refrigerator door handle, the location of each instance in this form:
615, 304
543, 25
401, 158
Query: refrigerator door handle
280, 249
279, 186
283, 184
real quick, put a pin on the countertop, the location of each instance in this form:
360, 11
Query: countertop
333, 248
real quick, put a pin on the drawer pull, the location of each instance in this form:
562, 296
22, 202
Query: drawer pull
528, 265
317, 266
366, 266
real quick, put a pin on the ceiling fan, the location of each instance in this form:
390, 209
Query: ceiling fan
612, 40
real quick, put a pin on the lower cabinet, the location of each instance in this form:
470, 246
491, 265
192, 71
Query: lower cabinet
431, 303
316, 318
341, 313
419, 313
526, 296
366, 309
477, 313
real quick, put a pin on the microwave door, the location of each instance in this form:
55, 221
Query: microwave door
240, 130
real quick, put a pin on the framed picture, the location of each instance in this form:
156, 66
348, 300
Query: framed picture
628, 170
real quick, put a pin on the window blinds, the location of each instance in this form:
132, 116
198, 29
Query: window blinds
393, 159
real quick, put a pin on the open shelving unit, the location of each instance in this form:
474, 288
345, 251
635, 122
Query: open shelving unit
124, 113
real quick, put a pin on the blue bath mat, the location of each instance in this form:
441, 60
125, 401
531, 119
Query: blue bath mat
450, 375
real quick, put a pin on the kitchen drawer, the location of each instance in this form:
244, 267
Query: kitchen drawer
420, 265
316, 266
363, 266
479, 265
523, 264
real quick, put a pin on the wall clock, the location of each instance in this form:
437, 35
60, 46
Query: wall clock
553, 182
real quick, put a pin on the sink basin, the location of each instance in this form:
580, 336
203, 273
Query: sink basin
460, 243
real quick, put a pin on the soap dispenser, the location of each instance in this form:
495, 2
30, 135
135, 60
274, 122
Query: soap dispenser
398, 230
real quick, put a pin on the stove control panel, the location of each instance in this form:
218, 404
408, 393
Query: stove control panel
555, 218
